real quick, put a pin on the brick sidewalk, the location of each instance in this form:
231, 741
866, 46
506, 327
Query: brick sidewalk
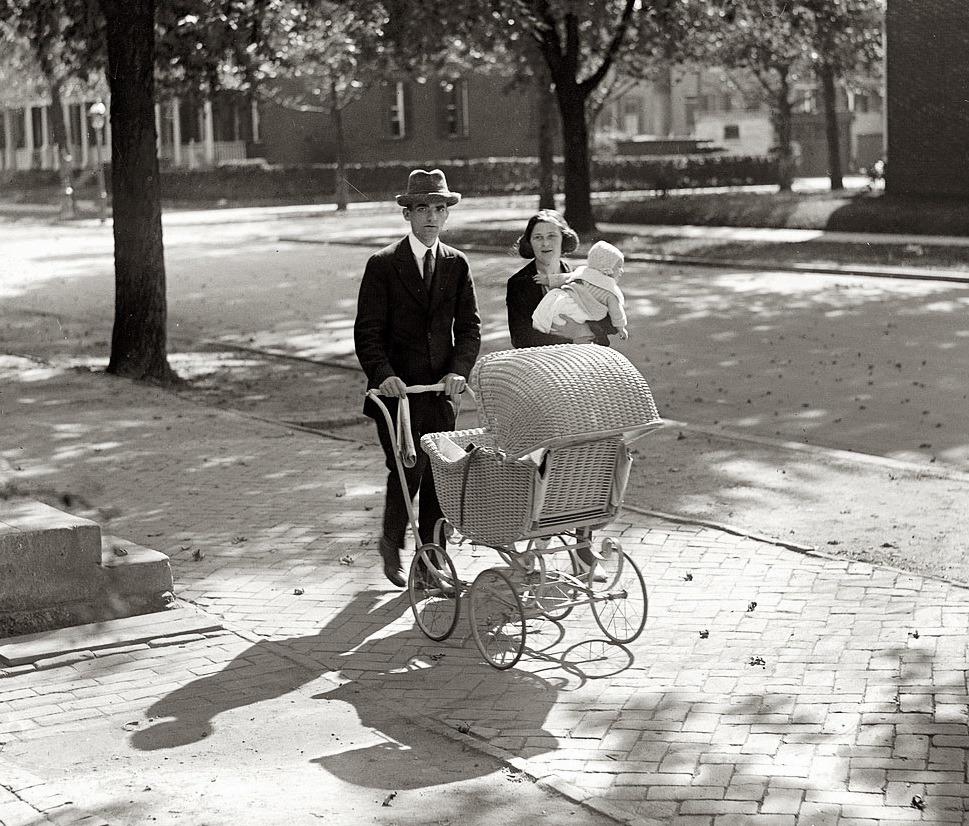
769, 687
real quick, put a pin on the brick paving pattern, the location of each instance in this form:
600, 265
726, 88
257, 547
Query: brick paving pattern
769, 687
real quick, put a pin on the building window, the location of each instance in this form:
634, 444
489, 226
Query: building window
691, 105
731, 132
864, 104
454, 108
808, 104
75, 124
37, 125
397, 110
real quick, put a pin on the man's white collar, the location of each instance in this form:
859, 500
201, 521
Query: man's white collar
419, 248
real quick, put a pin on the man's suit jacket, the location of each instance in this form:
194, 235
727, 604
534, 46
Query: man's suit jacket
402, 331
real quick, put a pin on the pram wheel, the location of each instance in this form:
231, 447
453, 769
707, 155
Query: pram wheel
434, 590
497, 618
620, 608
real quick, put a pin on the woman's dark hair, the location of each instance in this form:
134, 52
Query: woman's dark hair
570, 240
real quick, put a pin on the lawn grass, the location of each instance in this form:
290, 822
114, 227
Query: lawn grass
848, 211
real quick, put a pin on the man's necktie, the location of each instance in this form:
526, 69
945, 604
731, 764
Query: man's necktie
428, 270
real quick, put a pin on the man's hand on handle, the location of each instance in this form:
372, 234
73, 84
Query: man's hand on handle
393, 386
454, 385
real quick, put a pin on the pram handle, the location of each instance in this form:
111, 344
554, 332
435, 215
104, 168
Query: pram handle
405, 452
400, 431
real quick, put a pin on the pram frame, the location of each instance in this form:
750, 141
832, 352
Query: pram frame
435, 589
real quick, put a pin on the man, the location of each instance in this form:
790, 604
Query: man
417, 323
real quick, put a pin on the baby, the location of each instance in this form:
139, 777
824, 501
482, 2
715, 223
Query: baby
589, 293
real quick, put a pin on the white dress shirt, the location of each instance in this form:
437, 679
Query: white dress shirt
419, 251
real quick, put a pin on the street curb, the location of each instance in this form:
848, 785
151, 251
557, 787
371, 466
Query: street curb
808, 268
948, 474
721, 526
693, 261
805, 550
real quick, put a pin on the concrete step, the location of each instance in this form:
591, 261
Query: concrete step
56, 570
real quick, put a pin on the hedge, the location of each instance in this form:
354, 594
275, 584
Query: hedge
378, 181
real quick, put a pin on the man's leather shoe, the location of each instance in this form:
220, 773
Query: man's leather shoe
395, 574
390, 554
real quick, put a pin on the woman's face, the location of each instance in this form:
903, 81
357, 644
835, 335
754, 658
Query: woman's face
546, 241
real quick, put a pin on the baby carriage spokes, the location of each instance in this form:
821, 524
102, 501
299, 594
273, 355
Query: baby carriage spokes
549, 466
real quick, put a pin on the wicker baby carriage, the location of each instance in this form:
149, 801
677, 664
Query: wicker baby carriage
550, 463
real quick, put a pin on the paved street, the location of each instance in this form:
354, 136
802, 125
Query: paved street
770, 686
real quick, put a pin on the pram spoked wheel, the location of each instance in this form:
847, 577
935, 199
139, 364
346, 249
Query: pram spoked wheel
619, 605
497, 618
434, 591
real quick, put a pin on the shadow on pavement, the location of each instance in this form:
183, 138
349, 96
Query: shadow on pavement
402, 680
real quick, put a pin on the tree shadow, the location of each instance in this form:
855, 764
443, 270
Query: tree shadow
902, 214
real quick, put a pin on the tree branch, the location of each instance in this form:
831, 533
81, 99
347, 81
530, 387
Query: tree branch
587, 85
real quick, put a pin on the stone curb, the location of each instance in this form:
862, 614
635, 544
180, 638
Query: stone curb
823, 269
911, 274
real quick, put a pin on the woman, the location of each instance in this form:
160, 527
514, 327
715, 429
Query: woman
546, 238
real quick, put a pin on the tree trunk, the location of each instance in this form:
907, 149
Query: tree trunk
783, 131
575, 145
342, 190
139, 337
545, 105
831, 125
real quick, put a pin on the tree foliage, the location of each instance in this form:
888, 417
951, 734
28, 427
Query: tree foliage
583, 44
786, 44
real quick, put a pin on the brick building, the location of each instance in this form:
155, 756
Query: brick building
927, 56
439, 119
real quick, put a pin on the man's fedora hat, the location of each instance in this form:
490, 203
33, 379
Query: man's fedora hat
422, 185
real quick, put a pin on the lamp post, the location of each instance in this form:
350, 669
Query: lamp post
97, 113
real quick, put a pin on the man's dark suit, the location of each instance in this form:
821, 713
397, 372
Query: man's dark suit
402, 331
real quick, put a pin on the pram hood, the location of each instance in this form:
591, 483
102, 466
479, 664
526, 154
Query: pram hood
543, 397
